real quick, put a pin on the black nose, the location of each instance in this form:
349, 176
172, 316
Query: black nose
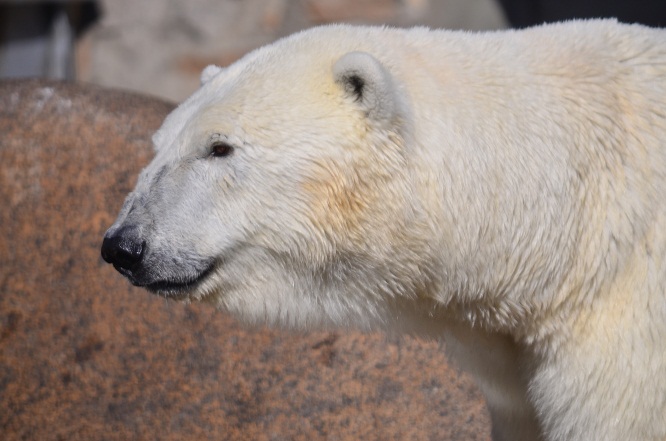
124, 248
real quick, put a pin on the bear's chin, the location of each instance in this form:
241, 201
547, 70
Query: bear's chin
177, 288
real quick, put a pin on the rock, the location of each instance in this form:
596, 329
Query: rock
84, 355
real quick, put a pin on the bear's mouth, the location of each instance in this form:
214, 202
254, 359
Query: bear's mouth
180, 286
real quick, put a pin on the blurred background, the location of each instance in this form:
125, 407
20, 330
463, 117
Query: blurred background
159, 47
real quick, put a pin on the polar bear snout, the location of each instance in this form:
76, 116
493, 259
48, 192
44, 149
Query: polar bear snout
165, 271
124, 248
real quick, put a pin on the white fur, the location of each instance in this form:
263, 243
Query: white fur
503, 190
209, 72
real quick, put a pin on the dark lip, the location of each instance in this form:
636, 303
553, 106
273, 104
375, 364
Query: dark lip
174, 288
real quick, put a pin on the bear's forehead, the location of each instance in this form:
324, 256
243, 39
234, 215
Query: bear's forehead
287, 85
272, 109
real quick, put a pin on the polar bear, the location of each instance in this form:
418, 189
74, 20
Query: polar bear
505, 191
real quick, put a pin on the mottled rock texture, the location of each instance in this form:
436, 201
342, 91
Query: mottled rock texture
85, 356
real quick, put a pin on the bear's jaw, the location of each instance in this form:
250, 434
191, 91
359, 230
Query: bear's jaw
178, 288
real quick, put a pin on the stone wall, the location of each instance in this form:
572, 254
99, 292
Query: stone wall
160, 46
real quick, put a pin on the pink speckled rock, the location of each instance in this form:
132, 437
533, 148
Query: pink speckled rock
85, 356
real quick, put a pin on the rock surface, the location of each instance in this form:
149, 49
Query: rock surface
85, 356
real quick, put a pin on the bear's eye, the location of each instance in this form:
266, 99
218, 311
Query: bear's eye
221, 149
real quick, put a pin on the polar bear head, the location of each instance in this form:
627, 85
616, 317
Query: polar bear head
279, 190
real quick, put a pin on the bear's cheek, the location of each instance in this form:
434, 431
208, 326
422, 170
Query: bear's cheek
337, 207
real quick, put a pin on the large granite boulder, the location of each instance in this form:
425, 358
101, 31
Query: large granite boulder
85, 356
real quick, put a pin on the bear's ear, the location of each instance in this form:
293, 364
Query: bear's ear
209, 72
363, 77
